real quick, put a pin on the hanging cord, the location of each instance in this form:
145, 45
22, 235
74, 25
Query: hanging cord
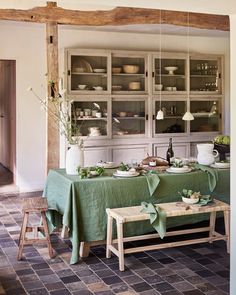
160, 62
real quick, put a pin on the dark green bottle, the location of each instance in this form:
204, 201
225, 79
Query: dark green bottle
170, 152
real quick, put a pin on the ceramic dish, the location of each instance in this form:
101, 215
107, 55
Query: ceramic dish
171, 70
129, 175
99, 70
130, 69
116, 87
221, 165
190, 201
170, 170
126, 173
179, 169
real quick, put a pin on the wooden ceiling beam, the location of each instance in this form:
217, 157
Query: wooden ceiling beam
114, 17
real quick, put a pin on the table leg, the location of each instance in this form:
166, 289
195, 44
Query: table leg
212, 224
64, 232
227, 229
120, 245
109, 235
84, 249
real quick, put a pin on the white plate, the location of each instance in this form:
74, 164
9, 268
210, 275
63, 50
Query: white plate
107, 165
220, 165
178, 171
127, 175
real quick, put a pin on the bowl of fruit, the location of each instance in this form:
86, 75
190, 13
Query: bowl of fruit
189, 196
222, 145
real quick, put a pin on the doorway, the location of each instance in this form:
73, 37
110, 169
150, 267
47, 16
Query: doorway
7, 124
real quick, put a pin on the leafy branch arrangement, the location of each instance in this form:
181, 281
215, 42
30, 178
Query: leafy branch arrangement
90, 172
189, 194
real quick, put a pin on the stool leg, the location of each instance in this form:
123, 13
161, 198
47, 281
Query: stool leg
212, 224
120, 244
45, 225
109, 235
22, 235
227, 229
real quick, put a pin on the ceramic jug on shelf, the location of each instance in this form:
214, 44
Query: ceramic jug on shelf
206, 153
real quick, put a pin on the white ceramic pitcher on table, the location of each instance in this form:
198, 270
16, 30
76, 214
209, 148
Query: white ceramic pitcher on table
206, 153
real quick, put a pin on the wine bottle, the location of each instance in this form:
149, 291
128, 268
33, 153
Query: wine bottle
170, 152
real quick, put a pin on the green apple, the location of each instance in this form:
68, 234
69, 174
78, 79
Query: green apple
219, 139
226, 140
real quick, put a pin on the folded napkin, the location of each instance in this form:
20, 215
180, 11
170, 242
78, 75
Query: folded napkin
157, 217
211, 173
204, 200
152, 181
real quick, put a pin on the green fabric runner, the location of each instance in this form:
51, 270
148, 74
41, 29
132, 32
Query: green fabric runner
81, 204
153, 181
157, 217
211, 173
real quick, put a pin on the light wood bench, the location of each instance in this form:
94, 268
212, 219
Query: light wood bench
131, 214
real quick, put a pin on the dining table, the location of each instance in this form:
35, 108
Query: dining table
80, 204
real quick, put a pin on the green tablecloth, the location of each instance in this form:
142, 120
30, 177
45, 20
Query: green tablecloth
82, 202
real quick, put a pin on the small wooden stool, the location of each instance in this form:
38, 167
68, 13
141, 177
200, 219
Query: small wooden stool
34, 205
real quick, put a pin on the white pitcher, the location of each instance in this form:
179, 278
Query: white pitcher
206, 153
74, 158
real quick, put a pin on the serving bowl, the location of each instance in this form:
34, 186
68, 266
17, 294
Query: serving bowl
126, 173
171, 70
190, 201
179, 169
158, 87
130, 69
81, 86
98, 88
134, 86
116, 70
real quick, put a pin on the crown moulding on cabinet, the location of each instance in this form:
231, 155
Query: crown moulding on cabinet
116, 16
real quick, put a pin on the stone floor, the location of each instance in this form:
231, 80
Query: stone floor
189, 270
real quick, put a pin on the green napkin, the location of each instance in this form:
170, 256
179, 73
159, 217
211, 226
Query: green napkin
152, 181
204, 200
157, 217
211, 173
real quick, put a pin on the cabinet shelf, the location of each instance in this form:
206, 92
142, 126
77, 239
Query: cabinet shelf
203, 76
89, 74
126, 75
130, 118
172, 76
91, 119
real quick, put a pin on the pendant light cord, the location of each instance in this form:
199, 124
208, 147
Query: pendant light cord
160, 62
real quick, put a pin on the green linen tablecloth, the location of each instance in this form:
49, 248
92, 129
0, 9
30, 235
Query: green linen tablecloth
82, 203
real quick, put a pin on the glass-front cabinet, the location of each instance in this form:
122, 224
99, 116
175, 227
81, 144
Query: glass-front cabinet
173, 113
207, 116
90, 118
169, 73
88, 72
205, 75
129, 73
129, 117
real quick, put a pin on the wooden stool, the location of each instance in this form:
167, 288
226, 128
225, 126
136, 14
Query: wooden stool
34, 205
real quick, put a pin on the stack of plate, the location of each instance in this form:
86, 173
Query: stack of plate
221, 165
130, 173
184, 169
107, 165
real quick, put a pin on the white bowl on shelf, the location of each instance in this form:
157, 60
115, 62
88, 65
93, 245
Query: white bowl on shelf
99, 70
190, 201
171, 70
130, 69
98, 88
81, 86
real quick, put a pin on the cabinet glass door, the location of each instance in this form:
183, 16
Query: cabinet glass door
129, 74
89, 118
88, 73
128, 118
205, 76
169, 75
173, 113
206, 116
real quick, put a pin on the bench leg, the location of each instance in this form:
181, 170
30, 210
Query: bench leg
227, 229
22, 235
120, 245
109, 235
45, 225
212, 224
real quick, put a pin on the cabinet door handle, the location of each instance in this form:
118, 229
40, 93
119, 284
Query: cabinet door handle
219, 76
147, 117
146, 73
153, 117
153, 74
68, 72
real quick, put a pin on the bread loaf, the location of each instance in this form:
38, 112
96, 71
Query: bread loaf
159, 161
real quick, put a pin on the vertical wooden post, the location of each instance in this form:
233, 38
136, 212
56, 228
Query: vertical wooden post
53, 152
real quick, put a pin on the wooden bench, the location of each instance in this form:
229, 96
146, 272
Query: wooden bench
131, 214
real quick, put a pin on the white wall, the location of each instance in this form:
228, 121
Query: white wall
26, 44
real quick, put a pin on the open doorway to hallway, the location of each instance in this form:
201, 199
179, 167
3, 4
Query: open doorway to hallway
7, 125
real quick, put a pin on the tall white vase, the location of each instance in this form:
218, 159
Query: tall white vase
74, 158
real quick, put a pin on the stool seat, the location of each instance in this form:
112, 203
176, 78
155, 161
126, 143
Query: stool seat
34, 205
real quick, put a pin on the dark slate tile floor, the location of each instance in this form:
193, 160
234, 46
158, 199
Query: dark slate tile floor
189, 270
